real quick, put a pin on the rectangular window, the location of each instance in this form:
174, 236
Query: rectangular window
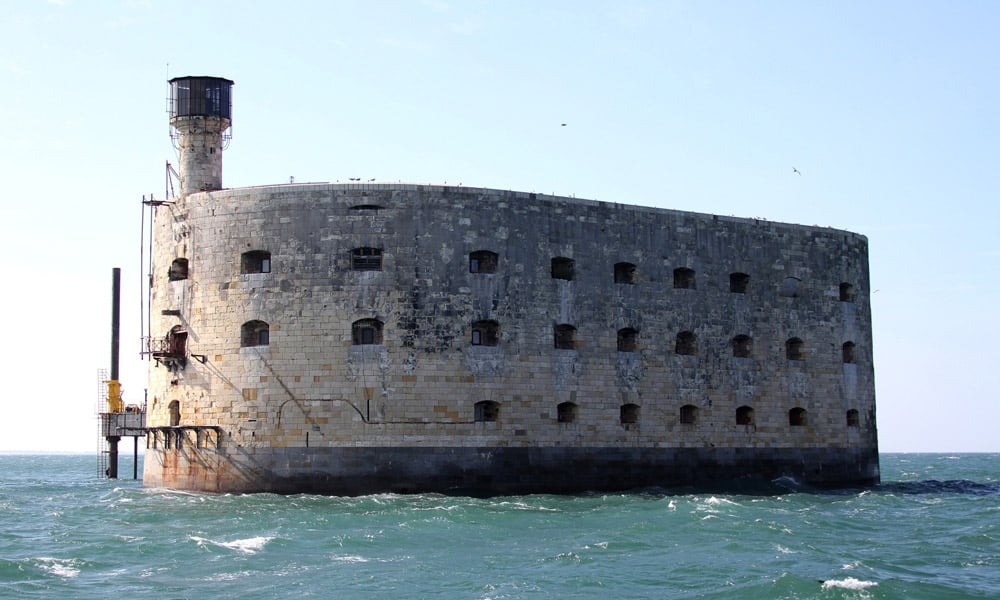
366, 259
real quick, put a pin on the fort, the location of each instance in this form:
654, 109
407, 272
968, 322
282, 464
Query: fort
354, 338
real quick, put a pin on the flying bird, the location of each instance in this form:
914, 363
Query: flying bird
794, 170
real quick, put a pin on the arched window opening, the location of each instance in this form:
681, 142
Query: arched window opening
487, 411
178, 270
794, 349
366, 259
485, 333
627, 339
742, 346
563, 268
566, 412
255, 333
739, 283
626, 273
846, 292
853, 418
629, 414
177, 341
797, 417
366, 332
744, 415
689, 414
483, 261
684, 278
565, 337
255, 261
687, 343
175, 413
791, 287
847, 351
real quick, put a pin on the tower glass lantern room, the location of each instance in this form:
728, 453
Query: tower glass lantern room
201, 97
201, 111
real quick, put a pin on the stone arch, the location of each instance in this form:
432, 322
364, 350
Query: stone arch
566, 412
255, 333
563, 268
485, 333
629, 414
687, 343
366, 332
627, 338
684, 279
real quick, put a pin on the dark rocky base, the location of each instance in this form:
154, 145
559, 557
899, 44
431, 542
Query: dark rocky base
502, 471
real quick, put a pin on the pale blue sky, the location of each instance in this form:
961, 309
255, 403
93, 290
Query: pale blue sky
888, 109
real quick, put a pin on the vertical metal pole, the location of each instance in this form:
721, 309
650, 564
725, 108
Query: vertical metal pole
135, 457
116, 284
115, 326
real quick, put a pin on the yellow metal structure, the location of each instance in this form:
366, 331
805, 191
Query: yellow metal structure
115, 403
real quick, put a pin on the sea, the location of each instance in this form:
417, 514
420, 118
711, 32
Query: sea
930, 530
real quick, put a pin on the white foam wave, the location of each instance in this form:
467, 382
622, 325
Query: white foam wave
849, 583
346, 558
246, 546
59, 567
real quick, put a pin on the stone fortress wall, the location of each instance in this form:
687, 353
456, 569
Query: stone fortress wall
368, 327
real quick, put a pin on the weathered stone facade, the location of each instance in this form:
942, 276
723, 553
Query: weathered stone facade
353, 338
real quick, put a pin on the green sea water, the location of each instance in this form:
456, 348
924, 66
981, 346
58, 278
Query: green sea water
931, 530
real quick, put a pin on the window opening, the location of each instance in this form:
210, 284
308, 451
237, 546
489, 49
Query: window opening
742, 346
791, 287
744, 415
178, 270
626, 273
485, 333
853, 418
797, 417
565, 337
684, 278
566, 412
687, 343
627, 339
629, 414
689, 414
177, 341
794, 349
483, 261
846, 292
739, 283
366, 332
175, 413
255, 261
366, 259
487, 411
563, 268
848, 352
255, 333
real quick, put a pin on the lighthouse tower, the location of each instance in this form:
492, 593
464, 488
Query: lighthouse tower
200, 118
